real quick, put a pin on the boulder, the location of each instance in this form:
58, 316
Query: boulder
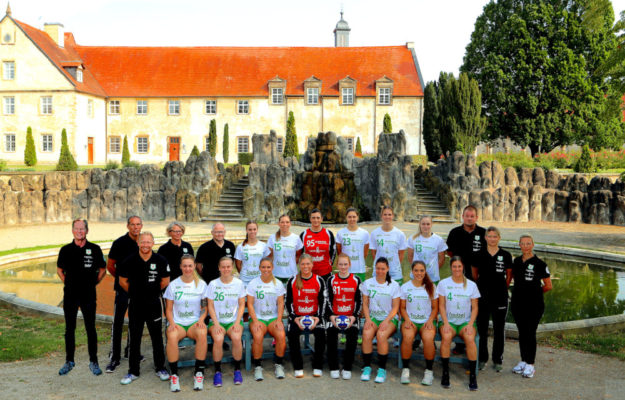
16, 183
10, 208
499, 177
107, 212
457, 163
33, 183
511, 178
538, 177
577, 206
619, 210
80, 204
112, 179
486, 174
135, 199
525, 177
153, 206
52, 181
69, 180
205, 202
552, 179
499, 201
38, 212
169, 201
599, 214
521, 208
487, 206
80, 179
120, 207
509, 211
192, 210
561, 206
535, 203
24, 208
264, 148
95, 203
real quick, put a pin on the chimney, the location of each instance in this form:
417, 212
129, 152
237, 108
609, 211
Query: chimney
56, 31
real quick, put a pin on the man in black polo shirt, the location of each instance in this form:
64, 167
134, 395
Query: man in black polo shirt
122, 248
81, 267
208, 255
144, 275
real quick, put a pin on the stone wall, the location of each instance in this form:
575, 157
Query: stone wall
525, 195
180, 191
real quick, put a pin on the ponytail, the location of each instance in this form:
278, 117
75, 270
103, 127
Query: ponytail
270, 261
459, 259
278, 233
248, 223
427, 282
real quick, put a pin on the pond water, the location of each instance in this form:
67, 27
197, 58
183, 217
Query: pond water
581, 289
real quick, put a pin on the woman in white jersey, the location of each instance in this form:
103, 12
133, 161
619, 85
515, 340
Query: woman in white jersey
457, 305
390, 243
353, 241
185, 312
226, 301
380, 305
285, 248
428, 247
249, 253
265, 304
419, 309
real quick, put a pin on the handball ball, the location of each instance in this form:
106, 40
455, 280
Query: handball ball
342, 321
307, 322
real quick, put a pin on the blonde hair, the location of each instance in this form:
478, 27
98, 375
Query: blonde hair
527, 236
416, 235
146, 233
282, 216
270, 262
248, 223
196, 277
298, 278
171, 225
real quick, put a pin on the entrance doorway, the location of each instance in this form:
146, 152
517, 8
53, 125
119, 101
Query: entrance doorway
90, 150
174, 148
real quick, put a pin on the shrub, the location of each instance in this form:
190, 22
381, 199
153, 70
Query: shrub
30, 154
290, 143
586, 162
420, 160
132, 164
388, 126
245, 158
125, 152
3, 165
111, 165
66, 160
226, 145
358, 147
516, 159
195, 152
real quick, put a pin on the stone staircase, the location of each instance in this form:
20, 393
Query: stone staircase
430, 204
229, 207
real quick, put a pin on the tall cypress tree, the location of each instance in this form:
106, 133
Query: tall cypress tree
30, 153
431, 117
125, 152
388, 126
66, 160
226, 144
290, 145
358, 147
212, 138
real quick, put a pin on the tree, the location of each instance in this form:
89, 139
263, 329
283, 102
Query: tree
226, 144
212, 138
125, 152
66, 160
534, 61
585, 163
431, 117
195, 152
290, 145
388, 126
358, 147
30, 154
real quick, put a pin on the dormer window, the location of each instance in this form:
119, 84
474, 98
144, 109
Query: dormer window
312, 88
277, 88
79, 75
384, 88
347, 95
277, 95
347, 89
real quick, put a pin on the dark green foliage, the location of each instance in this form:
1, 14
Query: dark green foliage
226, 144
3, 165
358, 147
66, 160
125, 152
132, 164
111, 165
388, 126
431, 115
290, 144
245, 158
30, 154
585, 163
212, 138
537, 63
195, 152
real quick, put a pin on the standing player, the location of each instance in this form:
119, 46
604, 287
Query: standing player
122, 248
428, 247
209, 254
285, 248
175, 248
354, 241
319, 243
81, 267
389, 242
249, 253
144, 275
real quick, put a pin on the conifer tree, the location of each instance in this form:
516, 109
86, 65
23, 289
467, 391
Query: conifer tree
290, 145
226, 144
388, 126
30, 154
66, 160
125, 152
212, 138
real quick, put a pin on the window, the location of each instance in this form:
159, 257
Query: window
142, 145
46, 143
243, 144
243, 107
207, 144
114, 107
79, 75
9, 105
350, 143
8, 70
385, 96
280, 145
142, 107
174, 107
210, 107
9, 142
90, 108
115, 144
348, 95
46, 105
277, 96
312, 95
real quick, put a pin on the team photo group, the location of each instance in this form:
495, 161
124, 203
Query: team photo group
318, 279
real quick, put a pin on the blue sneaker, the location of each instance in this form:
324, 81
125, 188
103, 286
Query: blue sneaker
163, 375
217, 380
366, 374
381, 377
238, 378
68, 366
128, 379
95, 368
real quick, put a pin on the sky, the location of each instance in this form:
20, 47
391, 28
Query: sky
440, 29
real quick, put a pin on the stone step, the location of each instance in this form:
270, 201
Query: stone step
222, 219
235, 204
226, 209
226, 214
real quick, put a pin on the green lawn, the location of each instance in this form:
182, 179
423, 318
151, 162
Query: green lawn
605, 344
43, 167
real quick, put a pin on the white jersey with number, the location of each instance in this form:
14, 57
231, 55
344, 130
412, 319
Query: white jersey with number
353, 244
380, 297
426, 250
226, 298
250, 256
457, 299
418, 303
284, 252
265, 297
388, 244
187, 298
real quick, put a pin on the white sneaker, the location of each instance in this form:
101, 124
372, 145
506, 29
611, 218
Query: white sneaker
520, 367
366, 374
198, 381
174, 384
346, 375
405, 376
529, 370
428, 377
280, 371
163, 375
298, 373
128, 379
258, 373
317, 373
335, 374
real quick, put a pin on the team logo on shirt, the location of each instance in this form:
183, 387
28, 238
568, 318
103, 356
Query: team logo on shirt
152, 267
499, 258
184, 250
477, 237
228, 251
530, 266
88, 251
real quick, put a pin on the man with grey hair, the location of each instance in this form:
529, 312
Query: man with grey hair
209, 254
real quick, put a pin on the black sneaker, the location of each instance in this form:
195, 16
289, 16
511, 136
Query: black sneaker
472, 383
445, 380
110, 368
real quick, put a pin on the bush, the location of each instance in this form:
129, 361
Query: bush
66, 160
195, 152
3, 165
125, 152
586, 162
420, 160
516, 160
111, 165
358, 148
132, 164
388, 126
290, 142
30, 154
245, 158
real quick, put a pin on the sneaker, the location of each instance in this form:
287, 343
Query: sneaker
174, 384
498, 367
481, 365
445, 380
198, 381
128, 378
298, 373
529, 370
347, 375
280, 371
381, 376
68, 366
366, 374
238, 378
520, 367
258, 373
95, 368
317, 373
217, 380
428, 377
335, 374
473, 383
405, 376
163, 375
110, 368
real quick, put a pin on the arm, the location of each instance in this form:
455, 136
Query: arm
402, 310
394, 310
373, 251
365, 251
198, 268
164, 282
473, 312
270, 253
250, 308
332, 246
169, 312
211, 311
365, 308
339, 247
280, 308
289, 300
401, 253
330, 301
61, 274
508, 277
204, 308
410, 254
101, 275
442, 309
434, 312
238, 263
123, 282
475, 273
110, 266
547, 286
298, 253
240, 310
441, 258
